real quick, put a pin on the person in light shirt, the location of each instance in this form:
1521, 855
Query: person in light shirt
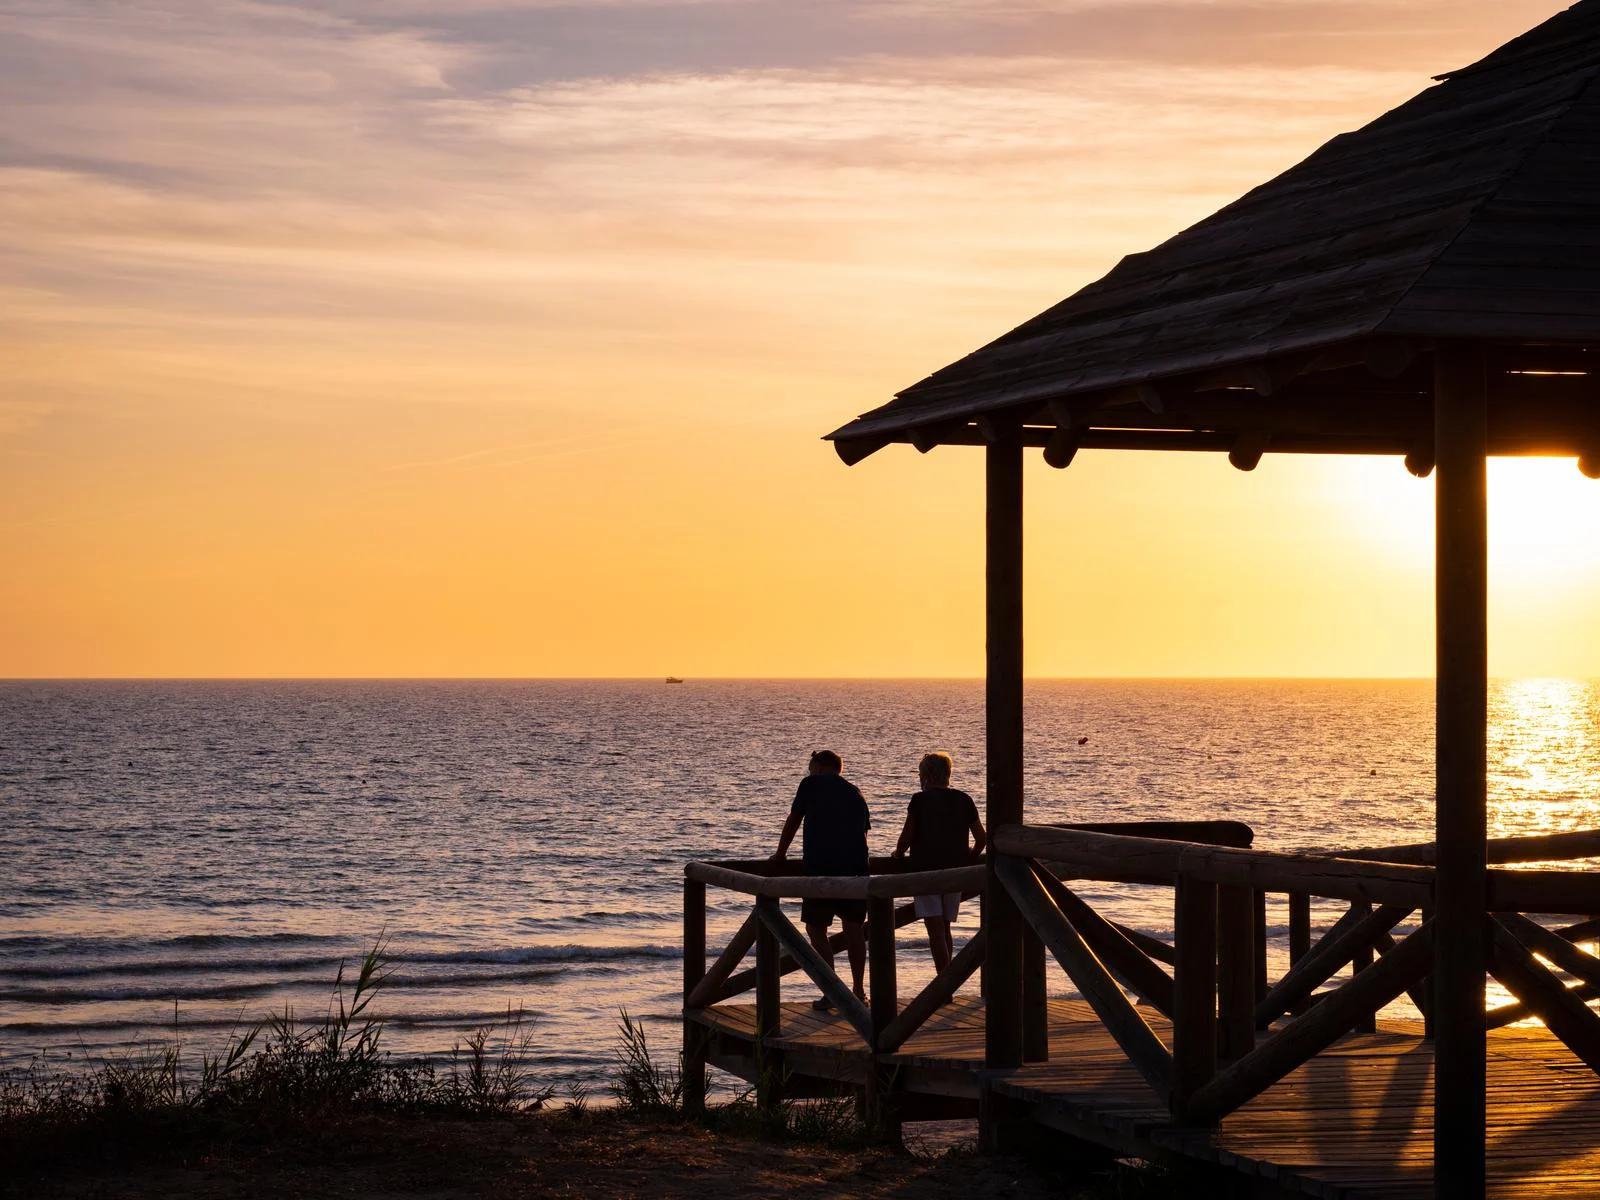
938, 821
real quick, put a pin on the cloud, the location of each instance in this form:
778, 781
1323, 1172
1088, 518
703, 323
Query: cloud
397, 184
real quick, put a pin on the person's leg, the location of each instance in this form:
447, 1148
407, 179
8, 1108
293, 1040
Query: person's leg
938, 941
855, 945
817, 916
817, 931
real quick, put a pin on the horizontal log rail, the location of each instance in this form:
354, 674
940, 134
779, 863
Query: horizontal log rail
838, 887
1544, 847
1111, 858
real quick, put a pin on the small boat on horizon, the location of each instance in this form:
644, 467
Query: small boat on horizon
673, 679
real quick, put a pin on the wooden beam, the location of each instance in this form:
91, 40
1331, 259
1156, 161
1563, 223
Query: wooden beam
1418, 992
854, 450
708, 989
1085, 855
1153, 946
1460, 823
694, 970
1420, 458
1553, 946
1315, 1031
904, 914
1357, 930
1570, 892
1138, 1041
769, 1061
1568, 1017
1248, 447
1518, 1010
1121, 956
1299, 926
1209, 833
1194, 979
1062, 448
831, 986
1236, 970
929, 999
1541, 847
881, 963
1003, 966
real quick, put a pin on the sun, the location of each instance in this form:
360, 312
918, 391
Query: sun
1544, 518
1544, 521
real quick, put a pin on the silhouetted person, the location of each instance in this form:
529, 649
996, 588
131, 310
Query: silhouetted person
937, 823
836, 821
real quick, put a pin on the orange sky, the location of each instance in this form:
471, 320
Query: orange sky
496, 339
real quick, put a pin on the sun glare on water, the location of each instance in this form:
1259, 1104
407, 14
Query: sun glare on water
1544, 752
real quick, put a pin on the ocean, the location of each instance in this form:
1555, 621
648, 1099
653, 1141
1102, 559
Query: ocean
180, 859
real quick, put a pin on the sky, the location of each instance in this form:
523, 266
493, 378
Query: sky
494, 338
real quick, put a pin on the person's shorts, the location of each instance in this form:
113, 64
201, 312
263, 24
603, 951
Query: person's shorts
822, 912
945, 905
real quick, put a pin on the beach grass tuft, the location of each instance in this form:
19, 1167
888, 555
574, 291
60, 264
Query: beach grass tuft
639, 1083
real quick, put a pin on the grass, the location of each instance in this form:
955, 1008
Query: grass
271, 1079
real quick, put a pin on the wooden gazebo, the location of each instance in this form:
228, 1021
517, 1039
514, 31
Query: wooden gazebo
1426, 287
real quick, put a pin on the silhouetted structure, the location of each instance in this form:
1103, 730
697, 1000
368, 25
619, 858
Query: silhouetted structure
1429, 287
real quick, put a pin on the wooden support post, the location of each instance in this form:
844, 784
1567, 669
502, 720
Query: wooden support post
882, 1111
1299, 926
1360, 961
880, 962
1426, 987
694, 970
1260, 940
1035, 1000
1461, 710
1236, 970
1003, 966
1194, 979
769, 1062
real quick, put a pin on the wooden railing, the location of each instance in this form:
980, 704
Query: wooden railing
1227, 1042
780, 948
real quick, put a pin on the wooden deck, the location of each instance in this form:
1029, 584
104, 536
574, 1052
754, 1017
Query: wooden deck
1354, 1122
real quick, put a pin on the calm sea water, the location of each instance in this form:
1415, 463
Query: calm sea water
178, 858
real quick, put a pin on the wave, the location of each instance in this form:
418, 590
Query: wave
57, 943
566, 952
164, 1031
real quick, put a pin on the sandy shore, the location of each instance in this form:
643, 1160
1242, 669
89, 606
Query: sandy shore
602, 1155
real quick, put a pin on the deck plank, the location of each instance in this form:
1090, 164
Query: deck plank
1355, 1122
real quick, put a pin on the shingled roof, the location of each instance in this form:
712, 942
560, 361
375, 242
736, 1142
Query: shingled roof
1472, 211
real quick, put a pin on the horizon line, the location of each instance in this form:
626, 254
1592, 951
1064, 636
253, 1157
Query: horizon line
15, 679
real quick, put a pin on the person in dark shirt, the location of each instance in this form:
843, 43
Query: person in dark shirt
835, 819
937, 823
